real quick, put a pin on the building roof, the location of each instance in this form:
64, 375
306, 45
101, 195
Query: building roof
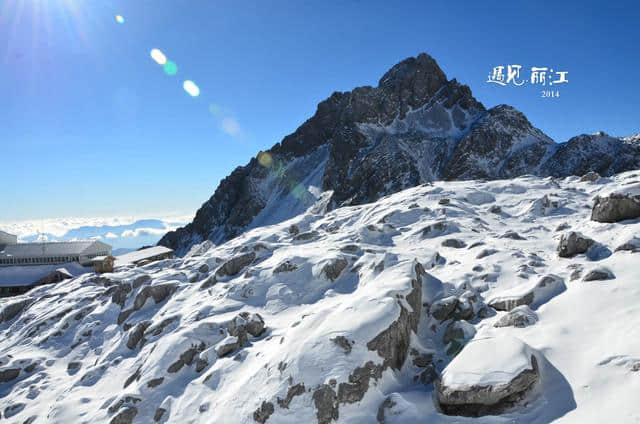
27, 275
63, 248
140, 255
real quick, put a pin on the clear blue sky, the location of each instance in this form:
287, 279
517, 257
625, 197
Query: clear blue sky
90, 125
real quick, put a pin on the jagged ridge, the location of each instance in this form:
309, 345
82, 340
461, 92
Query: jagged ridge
416, 126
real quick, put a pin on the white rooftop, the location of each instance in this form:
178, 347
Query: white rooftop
63, 248
26, 275
140, 255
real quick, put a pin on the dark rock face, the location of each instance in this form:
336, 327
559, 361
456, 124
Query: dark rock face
415, 126
262, 414
616, 207
326, 403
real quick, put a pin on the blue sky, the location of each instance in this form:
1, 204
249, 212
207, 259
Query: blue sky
92, 126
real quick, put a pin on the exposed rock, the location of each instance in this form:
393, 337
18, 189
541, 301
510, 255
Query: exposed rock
574, 243
333, 269
125, 416
489, 376
157, 416
617, 206
286, 266
203, 269
388, 403
598, 274
228, 345
155, 382
520, 316
354, 390
325, 400
443, 308
262, 414
456, 335
137, 333
393, 343
533, 295
13, 409
254, 323
486, 252
73, 367
293, 391
495, 209
8, 374
512, 235
343, 342
590, 177
11, 310
159, 292
633, 245
186, 358
235, 265
455, 243
440, 228
309, 235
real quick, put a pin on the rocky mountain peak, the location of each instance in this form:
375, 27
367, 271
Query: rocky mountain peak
416, 126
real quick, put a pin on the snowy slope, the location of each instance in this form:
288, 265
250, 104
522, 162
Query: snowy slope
363, 307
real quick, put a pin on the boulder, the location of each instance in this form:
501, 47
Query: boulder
228, 345
443, 308
632, 244
455, 243
234, 265
440, 228
617, 206
334, 268
11, 310
598, 274
512, 235
531, 294
520, 316
573, 243
8, 374
286, 266
486, 252
487, 377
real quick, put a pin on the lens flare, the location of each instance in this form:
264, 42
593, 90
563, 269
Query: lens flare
119, 19
265, 159
191, 88
170, 68
158, 57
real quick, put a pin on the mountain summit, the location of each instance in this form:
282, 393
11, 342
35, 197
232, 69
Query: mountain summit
416, 126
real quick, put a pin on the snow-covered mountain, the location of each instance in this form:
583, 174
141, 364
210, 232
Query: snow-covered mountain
513, 300
416, 126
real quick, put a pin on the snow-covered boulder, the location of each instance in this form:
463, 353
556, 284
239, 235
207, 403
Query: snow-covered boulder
574, 243
531, 294
632, 244
617, 205
598, 274
521, 316
488, 376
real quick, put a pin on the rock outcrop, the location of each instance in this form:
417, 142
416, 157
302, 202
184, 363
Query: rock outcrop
487, 377
617, 206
